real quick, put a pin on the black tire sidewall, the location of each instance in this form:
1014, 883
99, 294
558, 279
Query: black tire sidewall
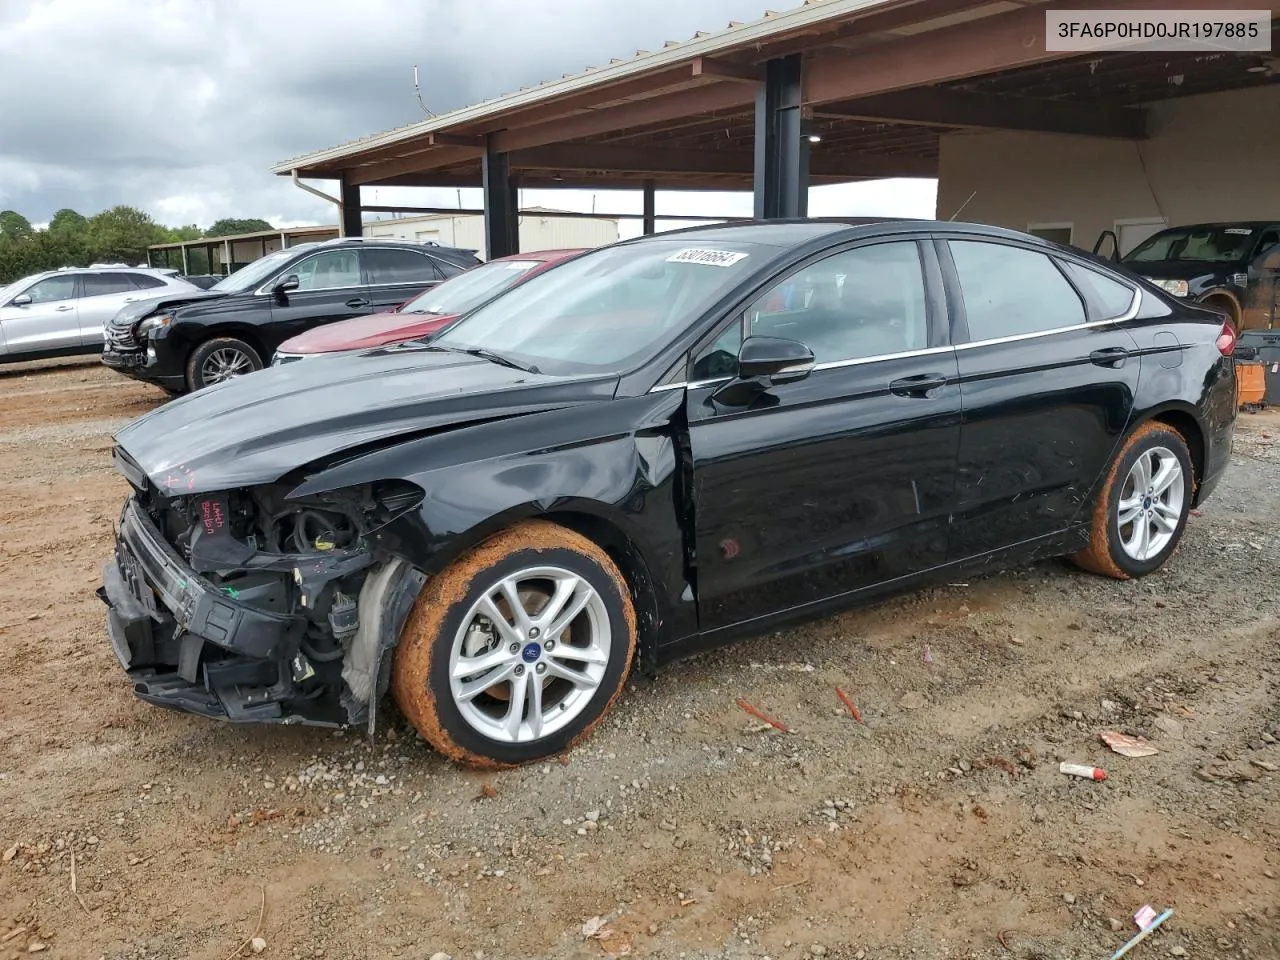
1170, 439
448, 715
195, 380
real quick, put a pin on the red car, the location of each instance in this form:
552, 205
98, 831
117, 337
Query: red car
425, 314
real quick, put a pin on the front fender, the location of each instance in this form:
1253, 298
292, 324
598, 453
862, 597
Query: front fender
614, 464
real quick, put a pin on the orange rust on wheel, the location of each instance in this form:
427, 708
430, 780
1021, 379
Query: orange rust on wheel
418, 644
1096, 558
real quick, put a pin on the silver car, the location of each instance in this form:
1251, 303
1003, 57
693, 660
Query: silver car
62, 312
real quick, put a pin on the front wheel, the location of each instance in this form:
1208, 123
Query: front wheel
517, 649
1143, 507
219, 359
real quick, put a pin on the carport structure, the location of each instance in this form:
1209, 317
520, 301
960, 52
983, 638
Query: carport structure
832, 91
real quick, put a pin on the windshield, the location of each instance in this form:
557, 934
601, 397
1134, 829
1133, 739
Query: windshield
470, 289
607, 310
248, 277
1214, 244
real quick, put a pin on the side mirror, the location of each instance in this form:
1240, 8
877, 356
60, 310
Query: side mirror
764, 362
288, 284
21, 300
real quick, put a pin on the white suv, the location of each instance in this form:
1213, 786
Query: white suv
62, 312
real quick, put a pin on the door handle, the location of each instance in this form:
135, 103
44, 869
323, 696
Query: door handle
357, 302
1110, 356
917, 386
64, 309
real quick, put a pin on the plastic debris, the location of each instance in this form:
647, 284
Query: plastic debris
853, 710
928, 654
1080, 770
1126, 745
1142, 934
1144, 917
761, 716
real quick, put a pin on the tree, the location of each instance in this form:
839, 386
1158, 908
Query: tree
67, 223
188, 232
230, 226
14, 226
123, 234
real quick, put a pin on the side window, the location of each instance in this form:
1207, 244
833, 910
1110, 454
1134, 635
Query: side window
52, 289
1112, 297
720, 357
1010, 291
1269, 240
101, 284
399, 266
144, 281
448, 268
329, 270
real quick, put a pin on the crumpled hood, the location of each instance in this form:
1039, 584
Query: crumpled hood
141, 308
361, 333
257, 428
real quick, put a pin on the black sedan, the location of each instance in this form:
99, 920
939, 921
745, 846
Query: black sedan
657, 447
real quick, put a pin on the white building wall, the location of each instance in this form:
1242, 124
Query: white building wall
537, 231
1213, 157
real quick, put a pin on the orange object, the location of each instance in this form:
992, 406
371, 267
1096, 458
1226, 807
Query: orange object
853, 711
761, 716
1251, 383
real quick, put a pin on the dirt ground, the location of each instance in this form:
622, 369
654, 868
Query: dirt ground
937, 827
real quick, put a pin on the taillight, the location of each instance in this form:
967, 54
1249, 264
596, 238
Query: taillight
1226, 341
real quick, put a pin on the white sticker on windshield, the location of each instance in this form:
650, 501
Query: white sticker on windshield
1239, 231
710, 258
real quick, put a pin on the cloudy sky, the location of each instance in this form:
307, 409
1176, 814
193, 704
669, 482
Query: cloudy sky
181, 106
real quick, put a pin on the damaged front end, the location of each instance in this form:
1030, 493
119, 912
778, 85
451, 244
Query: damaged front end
251, 606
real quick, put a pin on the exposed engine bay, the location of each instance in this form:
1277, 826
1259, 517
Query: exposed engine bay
291, 608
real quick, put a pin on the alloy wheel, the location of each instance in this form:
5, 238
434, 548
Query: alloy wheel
225, 363
530, 654
1151, 504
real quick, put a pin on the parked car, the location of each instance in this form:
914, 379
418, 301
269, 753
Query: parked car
1232, 267
426, 314
656, 447
63, 312
189, 341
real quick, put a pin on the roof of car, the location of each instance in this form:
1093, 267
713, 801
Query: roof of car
787, 233
543, 255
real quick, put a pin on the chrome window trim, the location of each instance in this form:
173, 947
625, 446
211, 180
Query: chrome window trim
1012, 338
829, 365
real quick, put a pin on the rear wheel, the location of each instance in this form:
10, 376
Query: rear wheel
1143, 507
219, 359
517, 649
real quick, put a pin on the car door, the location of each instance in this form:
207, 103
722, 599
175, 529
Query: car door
101, 297
1261, 306
330, 287
44, 318
842, 480
1048, 374
396, 275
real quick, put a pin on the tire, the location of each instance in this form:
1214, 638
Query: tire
1116, 549
470, 717
204, 362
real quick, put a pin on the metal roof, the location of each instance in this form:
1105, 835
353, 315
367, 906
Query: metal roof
736, 35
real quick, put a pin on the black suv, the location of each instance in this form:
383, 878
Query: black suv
1232, 267
194, 339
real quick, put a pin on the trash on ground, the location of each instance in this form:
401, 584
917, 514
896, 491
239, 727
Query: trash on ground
1145, 916
853, 710
1081, 770
1142, 934
1126, 745
761, 716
